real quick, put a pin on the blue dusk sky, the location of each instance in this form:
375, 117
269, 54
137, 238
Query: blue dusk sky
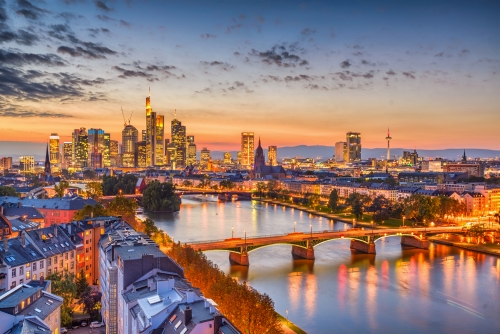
292, 72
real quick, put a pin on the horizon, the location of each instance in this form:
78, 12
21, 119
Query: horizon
307, 72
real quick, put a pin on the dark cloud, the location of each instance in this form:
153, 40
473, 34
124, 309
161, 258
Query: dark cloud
102, 6
236, 53
300, 77
21, 112
29, 11
357, 53
366, 62
19, 59
207, 36
238, 85
464, 52
440, 54
409, 75
223, 65
357, 47
344, 76
315, 87
345, 64
166, 70
96, 31
391, 72
124, 24
71, 79
281, 55
134, 74
367, 75
68, 16
307, 32
105, 18
59, 31
87, 50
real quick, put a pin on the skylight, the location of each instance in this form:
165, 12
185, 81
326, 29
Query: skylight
178, 324
154, 300
38, 310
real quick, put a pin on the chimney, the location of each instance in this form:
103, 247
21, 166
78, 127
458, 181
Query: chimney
70, 225
6, 244
188, 315
23, 238
151, 284
1, 209
217, 322
41, 279
190, 296
55, 231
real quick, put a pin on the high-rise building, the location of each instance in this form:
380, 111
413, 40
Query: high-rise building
115, 158
150, 133
67, 154
96, 148
247, 148
178, 132
80, 149
238, 157
171, 155
204, 158
141, 154
55, 154
105, 154
129, 145
191, 151
27, 164
340, 151
272, 156
143, 138
6, 163
353, 140
160, 141
227, 158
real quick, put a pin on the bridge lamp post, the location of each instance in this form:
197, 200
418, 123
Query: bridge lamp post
245, 237
294, 226
404, 221
310, 225
232, 232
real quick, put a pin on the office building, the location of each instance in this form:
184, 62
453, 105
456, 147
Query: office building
171, 155
106, 154
227, 158
6, 163
191, 151
129, 146
353, 140
160, 141
340, 151
150, 133
55, 154
204, 158
27, 164
247, 149
80, 148
272, 156
143, 135
67, 155
115, 153
178, 132
141, 154
95, 148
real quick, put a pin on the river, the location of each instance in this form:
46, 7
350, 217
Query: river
440, 290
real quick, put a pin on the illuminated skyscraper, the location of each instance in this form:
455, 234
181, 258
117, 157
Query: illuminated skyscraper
96, 148
105, 154
67, 155
191, 151
129, 145
227, 158
171, 155
353, 140
80, 149
141, 154
5, 163
272, 156
340, 151
115, 158
247, 148
178, 132
150, 133
204, 158
143, 138
160, 141
27, 164
55, 154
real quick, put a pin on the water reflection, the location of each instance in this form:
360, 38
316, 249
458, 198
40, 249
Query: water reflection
443, 289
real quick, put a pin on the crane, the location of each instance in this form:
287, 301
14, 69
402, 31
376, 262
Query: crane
130, 117
124, 120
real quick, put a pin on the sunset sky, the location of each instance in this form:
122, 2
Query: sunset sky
292, 72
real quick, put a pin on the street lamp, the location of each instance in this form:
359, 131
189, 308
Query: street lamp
286, 314
232, 232
404, 221
245, 237
294, 226
311, 226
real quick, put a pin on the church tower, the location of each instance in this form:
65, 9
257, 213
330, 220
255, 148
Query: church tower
260, 160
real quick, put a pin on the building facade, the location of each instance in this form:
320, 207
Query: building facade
353, 140
247, 149
272, 156
55, 154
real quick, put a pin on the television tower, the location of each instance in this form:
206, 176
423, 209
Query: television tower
388, 138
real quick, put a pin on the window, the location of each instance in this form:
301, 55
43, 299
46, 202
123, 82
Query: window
34, 277
72, 265
28, 274
27, 264
55, 270
86, 250
86, 232
49, 271
65, 256
22, 305
86, 267
34, 266
72, 255
49, 262
55, 259
87, 241
61, 263
16, 310
21, 271
21, 281
13, 284
14, 272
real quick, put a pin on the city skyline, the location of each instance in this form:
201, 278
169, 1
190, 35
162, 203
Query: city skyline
317, 69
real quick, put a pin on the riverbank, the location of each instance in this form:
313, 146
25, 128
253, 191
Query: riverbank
489, 248
289, 327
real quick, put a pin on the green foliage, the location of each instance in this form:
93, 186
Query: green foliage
227, 184
82, 286
91, 301
91, 211
187, 184
333, 201
60, 188
476, 231
245, 307
7, 191
93, 190
357, 202
122, 206
261, 187
391, 181
111, 185
64, 285
160, 197
89, 175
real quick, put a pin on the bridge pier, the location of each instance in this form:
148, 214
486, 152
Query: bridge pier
364, 247
239, 258
415, 242
303, 253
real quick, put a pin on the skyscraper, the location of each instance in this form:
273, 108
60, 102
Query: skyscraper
340, 151
178, 132
272, 156
67, 155
95, 148
27, 164
150, 133
227, 158
141, 154
105, 154
204, 158
80, 148
55, 154
247, 148
129, 145
171, 155
191, 151
353, 140
160, 141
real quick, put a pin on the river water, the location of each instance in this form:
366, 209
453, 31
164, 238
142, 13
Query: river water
440, 290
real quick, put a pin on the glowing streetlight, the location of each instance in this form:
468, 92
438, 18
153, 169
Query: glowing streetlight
232, 232
294, 226
310, 225
404, 221
245, 237
286, 314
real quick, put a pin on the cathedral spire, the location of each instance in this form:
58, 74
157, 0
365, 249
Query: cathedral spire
464, 157
47, 161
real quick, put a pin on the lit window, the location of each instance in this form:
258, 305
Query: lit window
28, 275
22, 305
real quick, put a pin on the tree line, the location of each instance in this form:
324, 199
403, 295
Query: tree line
245, 307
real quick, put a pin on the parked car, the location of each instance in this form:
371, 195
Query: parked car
63, 330
83, 324
96, 324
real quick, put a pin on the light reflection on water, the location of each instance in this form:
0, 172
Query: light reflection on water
442, 289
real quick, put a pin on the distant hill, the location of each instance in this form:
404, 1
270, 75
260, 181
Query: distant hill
16, 149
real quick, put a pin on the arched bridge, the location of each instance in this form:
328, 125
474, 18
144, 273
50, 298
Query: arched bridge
303, 243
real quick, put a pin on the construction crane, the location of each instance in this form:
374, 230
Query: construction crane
124, 120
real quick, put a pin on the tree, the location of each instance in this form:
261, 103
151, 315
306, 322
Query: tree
333, 201
391, 181
61, 188
226, 184
476, 231
82, 286
112, 185
89, 175
122, 206
93, 190
91, 301
7, 191
160, 197
187, 184
91, 211
65, 287
261, 187
149, 227
356, 202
